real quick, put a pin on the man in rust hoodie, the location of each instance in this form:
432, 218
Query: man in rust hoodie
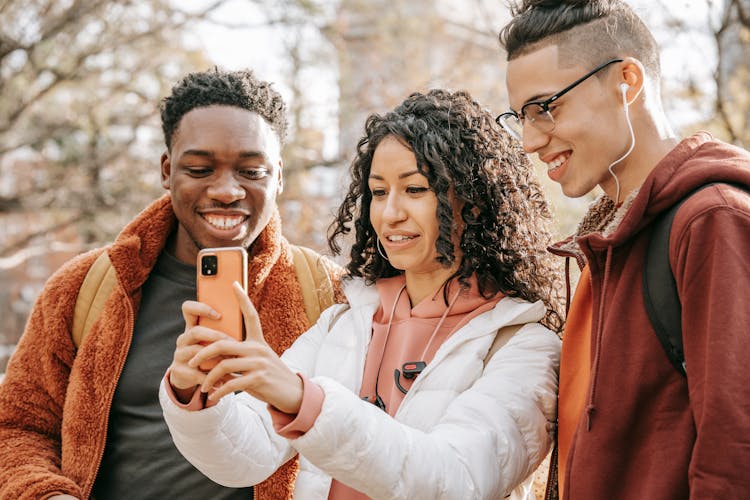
86, 421
583, 82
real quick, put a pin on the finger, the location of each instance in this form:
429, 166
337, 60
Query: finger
200, 335
230, 386
225, 347
185, 353
253, 330
192, 311
225, 371
182, 376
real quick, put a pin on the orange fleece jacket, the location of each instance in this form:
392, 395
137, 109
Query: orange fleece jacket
54, 401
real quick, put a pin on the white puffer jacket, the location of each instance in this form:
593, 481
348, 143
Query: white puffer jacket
464, 430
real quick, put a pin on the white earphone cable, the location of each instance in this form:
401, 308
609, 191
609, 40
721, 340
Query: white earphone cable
632, 142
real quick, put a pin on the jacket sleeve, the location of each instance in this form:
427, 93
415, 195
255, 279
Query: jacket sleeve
713, 278
234, 443
32, 394
490, 438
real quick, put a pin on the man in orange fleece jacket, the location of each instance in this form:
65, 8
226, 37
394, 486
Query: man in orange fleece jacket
85, 422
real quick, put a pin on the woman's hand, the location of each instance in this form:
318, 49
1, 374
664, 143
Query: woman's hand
250, 366
184, 378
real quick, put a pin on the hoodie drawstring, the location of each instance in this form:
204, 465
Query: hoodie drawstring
567, 286
590, 407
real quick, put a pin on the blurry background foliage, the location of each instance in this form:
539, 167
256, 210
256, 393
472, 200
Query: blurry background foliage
80, 83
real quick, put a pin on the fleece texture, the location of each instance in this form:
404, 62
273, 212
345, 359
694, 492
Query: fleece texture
54, 401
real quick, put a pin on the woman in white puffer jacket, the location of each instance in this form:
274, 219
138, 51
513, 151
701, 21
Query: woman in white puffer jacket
437, 379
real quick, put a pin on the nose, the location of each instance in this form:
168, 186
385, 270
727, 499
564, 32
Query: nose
393, 211
226, 189
533, 139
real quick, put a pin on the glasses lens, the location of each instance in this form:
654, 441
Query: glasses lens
539, 117
512, 124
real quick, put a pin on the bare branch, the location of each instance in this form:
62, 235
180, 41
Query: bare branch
18, 245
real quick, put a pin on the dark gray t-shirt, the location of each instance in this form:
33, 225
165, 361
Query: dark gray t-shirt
140, 460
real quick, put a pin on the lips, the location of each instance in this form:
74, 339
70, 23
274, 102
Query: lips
557, 161
397, 238
224, 222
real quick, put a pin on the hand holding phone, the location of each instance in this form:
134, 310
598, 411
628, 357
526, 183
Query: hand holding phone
218, 269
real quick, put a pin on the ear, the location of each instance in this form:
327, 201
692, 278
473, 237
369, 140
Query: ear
280, 177
633, 74
166, 170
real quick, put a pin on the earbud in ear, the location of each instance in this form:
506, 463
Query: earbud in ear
624, 87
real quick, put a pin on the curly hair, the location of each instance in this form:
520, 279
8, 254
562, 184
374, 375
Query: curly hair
217, 87
586, 31
465, 157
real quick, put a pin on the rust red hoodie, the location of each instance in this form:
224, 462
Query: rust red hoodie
646, 431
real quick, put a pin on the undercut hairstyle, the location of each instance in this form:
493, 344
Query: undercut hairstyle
587, 32
216, 87
469, 162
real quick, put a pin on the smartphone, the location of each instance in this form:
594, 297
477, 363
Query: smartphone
218, 269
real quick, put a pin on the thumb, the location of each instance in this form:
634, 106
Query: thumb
253, 330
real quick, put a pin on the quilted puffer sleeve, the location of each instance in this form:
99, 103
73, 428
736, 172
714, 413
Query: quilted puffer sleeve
234, 443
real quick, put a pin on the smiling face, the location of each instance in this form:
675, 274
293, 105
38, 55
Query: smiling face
590, 129
223, 172
403, 212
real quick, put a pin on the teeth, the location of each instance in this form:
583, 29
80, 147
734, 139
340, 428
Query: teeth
400, 237
554, 164
224, 222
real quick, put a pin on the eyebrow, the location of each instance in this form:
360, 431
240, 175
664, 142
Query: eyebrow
540, 97
400, 176
244, 154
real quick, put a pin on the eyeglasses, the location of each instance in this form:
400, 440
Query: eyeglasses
537, 112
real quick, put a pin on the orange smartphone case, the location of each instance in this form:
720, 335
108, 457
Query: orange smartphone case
217, 269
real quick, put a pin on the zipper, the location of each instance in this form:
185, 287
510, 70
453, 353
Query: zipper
103, 441
552, 491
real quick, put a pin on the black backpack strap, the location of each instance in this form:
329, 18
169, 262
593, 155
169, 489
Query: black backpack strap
660, 291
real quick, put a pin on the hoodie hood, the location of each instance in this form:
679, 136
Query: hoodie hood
696, 161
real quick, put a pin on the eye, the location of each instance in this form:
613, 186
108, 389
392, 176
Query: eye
416, 189
255, 173
199, 171
377, 192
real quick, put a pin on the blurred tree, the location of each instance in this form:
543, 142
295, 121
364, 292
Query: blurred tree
80, 139
81, 82
732, 103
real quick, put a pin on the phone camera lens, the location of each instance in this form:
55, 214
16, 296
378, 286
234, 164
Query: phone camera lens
209, 265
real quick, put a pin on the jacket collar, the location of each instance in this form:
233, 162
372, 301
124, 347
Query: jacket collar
694, 162
365, 300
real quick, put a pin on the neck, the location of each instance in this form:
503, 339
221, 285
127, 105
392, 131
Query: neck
421, 285
654, 139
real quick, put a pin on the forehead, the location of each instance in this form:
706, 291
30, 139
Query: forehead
392, 157
538, 74
225, 129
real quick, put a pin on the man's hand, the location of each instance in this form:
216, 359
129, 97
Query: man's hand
183, 377
250, 366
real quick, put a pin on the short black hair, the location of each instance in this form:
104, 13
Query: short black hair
586, 31
217, 87
467, 157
